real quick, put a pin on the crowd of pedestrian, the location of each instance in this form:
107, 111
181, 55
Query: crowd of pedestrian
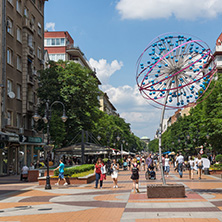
149, 164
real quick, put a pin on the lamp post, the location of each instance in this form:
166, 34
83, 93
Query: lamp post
46, 119
123, 141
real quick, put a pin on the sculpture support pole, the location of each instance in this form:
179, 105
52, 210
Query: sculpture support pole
160, 139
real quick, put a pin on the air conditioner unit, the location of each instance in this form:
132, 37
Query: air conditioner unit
21, 130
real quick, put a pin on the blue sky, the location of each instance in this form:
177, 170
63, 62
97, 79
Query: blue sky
113, 34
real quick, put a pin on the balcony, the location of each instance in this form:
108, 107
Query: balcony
27, 24
217, 50
30, 79
30, 107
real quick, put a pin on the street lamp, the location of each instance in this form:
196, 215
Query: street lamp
46, 120
123, 141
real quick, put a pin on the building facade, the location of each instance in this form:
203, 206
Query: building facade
22, 41
106, 106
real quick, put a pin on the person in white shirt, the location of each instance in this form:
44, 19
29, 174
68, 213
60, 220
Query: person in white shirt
167, 165
199, 164
180, 160
191, 167
24, 173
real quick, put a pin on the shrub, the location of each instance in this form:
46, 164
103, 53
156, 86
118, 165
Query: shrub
76, 169
83, 174
219, 158
204, 156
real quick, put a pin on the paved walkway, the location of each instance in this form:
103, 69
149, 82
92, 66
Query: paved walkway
28, 202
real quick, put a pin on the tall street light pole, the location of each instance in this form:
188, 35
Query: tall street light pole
46, 119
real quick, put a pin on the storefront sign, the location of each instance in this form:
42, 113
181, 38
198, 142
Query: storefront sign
38, 148
34, 139
30, 139
13, 139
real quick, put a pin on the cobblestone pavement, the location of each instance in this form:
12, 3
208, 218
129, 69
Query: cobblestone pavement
28, 202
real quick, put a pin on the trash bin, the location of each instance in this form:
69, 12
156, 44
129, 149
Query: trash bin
206, 171
41, 173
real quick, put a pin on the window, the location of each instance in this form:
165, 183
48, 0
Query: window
26, 12
18, 91
9, 115
30, 41
9, 56
18, 120
9, 85
39, 29
9, 26
18, 6
19, 62
57, 57
19, 34
32, 21
55, 42
39, 53
40, 5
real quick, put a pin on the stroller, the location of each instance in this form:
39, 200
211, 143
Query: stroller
150, 173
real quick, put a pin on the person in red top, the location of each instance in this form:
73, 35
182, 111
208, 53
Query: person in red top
98, 172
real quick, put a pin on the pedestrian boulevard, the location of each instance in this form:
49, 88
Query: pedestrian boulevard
29, 202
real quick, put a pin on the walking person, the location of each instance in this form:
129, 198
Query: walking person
135, 175
199, 164
180, 161
149, 160
167, 165
143, 163
191, 167
61, 172
129, 162
114, 174
97, 170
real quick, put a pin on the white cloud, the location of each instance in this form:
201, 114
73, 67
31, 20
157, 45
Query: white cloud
181, 9
105, 70
124, 95
50, 26
129, 103
131, 106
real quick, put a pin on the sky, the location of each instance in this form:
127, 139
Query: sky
113, 33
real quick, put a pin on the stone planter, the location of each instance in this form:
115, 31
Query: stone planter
70, 180
33, 175
51, 173
165, 191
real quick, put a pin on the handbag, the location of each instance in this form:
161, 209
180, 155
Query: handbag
103, 169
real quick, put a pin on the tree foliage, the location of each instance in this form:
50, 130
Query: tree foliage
190, 132
77, 88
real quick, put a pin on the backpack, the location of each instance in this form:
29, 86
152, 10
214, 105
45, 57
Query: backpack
135, 170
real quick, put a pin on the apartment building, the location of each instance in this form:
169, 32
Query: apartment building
60, 46
22, 41
105, 104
